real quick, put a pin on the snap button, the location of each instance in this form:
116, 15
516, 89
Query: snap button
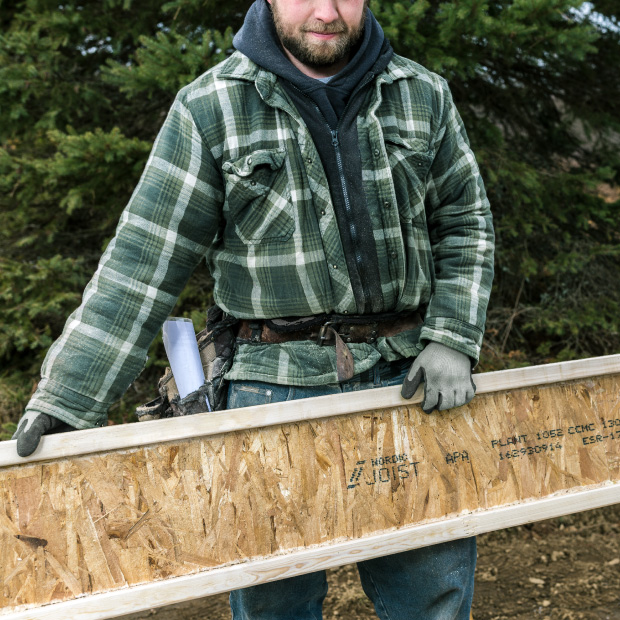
393, 254
377, 152
335, 266
309, 160
323, 212
249, 160
253, 183
386, 204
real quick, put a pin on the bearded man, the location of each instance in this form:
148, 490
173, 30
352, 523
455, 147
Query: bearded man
330, 185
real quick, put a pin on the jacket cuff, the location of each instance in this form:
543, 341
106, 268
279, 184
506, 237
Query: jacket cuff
62, 403
455, 334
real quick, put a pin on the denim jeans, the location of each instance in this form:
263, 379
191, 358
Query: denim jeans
431, 583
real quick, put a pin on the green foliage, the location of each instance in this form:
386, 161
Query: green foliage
6, 430
220, 15
533, 82
168, 62
34, 296
84, 88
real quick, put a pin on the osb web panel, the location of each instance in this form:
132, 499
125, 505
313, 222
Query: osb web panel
97, 523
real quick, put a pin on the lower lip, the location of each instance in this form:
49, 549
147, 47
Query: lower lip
324, 37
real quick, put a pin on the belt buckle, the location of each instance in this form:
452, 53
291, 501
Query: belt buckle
321, 338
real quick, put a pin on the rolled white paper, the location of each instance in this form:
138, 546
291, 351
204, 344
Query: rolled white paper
182, 351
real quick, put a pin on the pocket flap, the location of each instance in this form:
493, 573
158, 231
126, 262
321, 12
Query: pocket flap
245, 166
416, 150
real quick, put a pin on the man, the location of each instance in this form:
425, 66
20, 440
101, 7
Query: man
331, 187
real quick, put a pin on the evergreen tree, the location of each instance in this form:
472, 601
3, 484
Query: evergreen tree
536, 82
84, 88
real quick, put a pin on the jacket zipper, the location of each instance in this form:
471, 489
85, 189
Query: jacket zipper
343, 182
347, 204
345, 190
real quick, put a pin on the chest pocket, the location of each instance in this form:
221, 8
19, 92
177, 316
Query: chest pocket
410, 161
259, 197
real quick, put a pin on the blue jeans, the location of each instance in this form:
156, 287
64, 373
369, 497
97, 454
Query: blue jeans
431, 583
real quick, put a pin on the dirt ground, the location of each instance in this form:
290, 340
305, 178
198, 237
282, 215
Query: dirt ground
561, 569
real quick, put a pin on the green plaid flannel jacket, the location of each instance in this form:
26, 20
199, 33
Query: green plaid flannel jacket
234, 178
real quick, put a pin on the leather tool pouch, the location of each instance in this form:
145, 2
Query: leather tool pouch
216, 345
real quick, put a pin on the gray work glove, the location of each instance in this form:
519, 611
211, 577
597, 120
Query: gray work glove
30, 428
447, 378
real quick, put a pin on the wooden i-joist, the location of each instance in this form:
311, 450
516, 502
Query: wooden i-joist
104, 522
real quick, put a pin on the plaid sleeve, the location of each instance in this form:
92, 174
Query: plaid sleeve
162, 234
462, 239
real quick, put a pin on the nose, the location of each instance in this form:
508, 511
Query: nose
326, 10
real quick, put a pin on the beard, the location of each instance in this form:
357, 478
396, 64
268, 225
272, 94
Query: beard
318, 54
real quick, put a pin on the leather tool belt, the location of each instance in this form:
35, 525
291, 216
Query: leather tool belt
335, 329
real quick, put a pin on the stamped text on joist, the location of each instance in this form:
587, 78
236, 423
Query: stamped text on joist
96, 523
